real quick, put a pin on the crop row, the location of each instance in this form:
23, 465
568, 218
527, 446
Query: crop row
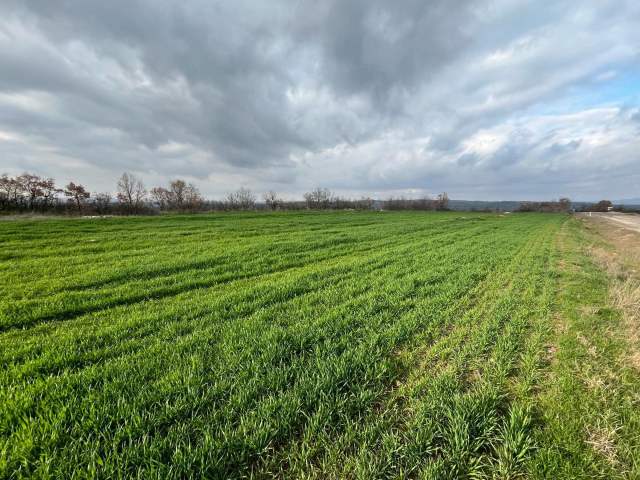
287, 345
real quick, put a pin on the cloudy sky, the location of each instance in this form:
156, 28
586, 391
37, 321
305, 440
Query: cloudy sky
497, 99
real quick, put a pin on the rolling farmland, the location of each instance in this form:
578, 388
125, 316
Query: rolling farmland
328, 345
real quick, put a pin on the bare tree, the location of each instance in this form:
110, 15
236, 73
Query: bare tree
272, 200
161, 197
192, 200
565, 205
231, 202
320, 198
426, 202
180, 196
31, 185
395, 203
340, 202
15, 193
77, 195
177, 194
242, 199
131, 192
365, 203
11, 193
5, 183
101, 202
29, 191
442, 202
49, 193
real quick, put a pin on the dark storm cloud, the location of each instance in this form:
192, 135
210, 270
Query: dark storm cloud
183, 72
372, 48
362, 96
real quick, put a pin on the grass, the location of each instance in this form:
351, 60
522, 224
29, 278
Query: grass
311, 345
590, 407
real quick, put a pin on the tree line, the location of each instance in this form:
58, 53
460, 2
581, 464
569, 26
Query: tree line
606, 206
31, 193
440, 203
564, 205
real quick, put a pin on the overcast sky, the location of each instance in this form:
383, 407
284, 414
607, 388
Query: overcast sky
502, 99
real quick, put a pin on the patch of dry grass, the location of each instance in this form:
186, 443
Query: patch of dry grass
602, 438
624, 289
626, 243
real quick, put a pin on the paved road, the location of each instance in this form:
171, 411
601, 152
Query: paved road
631, 222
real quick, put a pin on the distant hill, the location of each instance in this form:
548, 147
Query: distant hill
466, 205
627, 201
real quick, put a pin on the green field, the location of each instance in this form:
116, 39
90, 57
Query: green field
307, 345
